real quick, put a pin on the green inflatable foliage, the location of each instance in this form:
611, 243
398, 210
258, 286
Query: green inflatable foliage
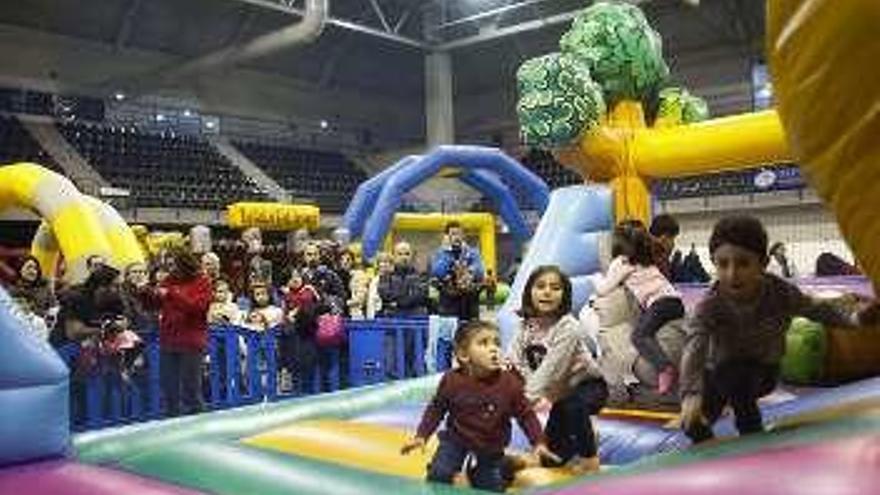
557, 100
805, 348
695, 110
680, 106
502, 290
624, 53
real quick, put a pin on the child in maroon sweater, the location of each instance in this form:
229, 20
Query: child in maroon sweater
478, 400
296, 343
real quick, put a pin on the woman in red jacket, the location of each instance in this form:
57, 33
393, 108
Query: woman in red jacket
183, 299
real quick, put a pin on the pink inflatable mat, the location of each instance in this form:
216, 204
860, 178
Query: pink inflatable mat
71, 478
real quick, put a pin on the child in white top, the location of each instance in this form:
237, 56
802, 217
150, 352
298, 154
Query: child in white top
264, 315
549, 350
223, 311
633, 268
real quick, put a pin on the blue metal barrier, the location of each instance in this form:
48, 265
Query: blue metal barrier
242, 367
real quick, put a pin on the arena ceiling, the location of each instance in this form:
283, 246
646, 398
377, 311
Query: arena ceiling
379, 45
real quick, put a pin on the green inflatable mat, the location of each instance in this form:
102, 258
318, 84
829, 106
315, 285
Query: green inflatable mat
226, 469
120, 443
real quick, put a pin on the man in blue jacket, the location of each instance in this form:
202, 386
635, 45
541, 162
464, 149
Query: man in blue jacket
458, 271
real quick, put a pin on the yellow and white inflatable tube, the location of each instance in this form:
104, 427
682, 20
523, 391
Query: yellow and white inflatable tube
824, 62
54, 198
125, 248
74, 225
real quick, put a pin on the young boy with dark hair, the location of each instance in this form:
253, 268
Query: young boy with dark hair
478, 400
664, 229
736, 337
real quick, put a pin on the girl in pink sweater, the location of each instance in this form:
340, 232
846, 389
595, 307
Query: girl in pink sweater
632, 267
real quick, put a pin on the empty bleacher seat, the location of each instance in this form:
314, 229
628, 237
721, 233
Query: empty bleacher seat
328, 177
160, 170
17, 145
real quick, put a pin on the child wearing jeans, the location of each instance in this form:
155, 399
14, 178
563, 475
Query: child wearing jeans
632, 266
736, 338
478, 399
549, 350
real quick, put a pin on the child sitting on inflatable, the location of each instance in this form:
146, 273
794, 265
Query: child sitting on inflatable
632, 267
549, 350
737, 336
479, 398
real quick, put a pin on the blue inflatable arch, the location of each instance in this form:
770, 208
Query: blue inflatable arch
367, 193
482, 168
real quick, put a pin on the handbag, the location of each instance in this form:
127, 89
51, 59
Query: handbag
331, 330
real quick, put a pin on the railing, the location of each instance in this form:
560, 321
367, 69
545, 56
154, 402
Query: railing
242, 367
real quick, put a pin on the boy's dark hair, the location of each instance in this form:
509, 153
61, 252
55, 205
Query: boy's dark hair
632, 242
465, 333
528, 310
454, 224
664, 225
742, 231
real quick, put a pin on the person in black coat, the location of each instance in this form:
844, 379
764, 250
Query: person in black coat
404, 292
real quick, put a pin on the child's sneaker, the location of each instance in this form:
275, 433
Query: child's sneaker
667, 380
582, 465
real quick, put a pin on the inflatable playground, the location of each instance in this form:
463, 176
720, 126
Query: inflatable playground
818, 440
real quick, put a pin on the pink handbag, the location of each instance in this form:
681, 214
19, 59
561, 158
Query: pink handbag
331, 331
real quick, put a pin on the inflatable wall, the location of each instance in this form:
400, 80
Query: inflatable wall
33, 391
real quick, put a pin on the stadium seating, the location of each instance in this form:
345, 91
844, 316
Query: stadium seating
17, 145
327, 178
162, 170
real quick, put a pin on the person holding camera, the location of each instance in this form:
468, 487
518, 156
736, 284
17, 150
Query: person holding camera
458, 270
84, 306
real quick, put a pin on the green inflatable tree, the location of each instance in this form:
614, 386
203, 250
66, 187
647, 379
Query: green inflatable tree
558, 100
624, 53
679, 106
609, 54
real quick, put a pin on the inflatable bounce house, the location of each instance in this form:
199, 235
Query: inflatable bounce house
74, 225
348, 442
371, 214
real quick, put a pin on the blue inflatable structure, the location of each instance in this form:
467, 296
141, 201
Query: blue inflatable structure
489, 170
567, 236
33, 391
